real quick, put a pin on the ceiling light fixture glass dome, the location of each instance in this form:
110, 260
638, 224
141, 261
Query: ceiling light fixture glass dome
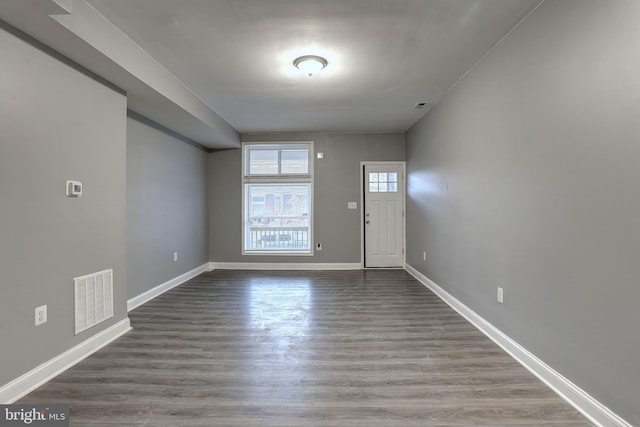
310, 64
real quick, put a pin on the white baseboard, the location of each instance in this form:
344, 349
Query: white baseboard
283, 266
160, 289
593, 410
33, 379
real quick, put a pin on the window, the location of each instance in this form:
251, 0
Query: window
277, 196
277, 160
383, 182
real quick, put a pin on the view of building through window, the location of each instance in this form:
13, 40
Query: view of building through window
278, 216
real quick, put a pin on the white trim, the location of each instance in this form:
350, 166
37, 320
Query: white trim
33, 379
593, 410
283, 266
147, 296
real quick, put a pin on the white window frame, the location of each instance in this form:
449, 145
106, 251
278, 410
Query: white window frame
278, 179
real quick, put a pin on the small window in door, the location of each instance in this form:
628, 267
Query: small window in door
383, 182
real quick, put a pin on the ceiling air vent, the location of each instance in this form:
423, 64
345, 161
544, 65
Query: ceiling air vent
420, 105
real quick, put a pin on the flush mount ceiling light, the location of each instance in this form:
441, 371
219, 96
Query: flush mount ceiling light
310, 64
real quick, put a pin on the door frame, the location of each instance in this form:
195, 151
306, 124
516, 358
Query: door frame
403, 192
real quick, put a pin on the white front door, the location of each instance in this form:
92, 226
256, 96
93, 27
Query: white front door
383, 214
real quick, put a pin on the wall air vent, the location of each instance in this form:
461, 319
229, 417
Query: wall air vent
93, 295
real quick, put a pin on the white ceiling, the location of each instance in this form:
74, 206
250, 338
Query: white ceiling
212, 69
384, 55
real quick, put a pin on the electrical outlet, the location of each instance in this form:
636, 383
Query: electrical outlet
175, 256
500, 295
41, 315
319, 246
424, 256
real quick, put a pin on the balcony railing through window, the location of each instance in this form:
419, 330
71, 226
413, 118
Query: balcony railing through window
288, 234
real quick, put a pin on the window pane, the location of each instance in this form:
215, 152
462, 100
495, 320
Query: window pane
277, 159
382, 177
294, 162
278, 217
373, 187
263, 161
393, 187
383, 187
257, 206
373, 177
393, 177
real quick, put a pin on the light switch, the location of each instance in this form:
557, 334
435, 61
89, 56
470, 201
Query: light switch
352, 205
320, 155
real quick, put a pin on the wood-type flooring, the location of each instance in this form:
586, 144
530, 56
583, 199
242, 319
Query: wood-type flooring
313, 348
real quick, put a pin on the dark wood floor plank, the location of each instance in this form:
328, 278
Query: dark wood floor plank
347, 348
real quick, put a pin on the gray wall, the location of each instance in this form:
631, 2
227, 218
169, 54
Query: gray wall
524, 176
166, 205
57, 124
336, 182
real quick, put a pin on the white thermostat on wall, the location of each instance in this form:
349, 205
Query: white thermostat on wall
74, 189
